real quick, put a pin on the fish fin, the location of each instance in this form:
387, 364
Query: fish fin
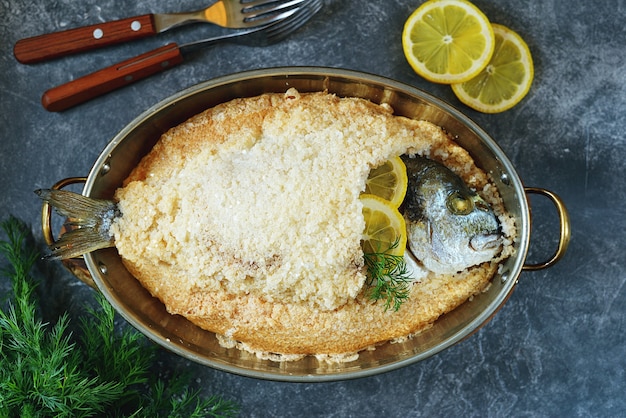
89, 222
80, 209
77, 242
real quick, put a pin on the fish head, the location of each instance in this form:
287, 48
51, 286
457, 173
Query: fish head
471, 219
449, 226
458, 231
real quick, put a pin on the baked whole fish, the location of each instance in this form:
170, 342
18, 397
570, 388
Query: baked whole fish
449, 226
246, 220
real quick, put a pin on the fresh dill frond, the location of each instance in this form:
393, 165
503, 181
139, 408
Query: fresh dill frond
114, 355
389, 277
47, 371
41, 370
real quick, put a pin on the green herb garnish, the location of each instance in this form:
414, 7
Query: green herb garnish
388, 277
45, 370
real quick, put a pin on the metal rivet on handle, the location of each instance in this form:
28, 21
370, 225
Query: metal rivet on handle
105, 169
98, 33
135, 25
103, 268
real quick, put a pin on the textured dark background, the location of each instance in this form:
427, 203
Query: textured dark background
557, 348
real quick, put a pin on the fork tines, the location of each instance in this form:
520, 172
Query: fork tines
270, 10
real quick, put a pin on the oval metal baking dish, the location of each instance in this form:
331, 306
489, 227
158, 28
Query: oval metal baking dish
104, 270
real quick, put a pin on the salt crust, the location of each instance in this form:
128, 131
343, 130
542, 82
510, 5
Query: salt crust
246, 220
262, 199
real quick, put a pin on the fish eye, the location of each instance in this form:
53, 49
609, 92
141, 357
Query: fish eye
459, 204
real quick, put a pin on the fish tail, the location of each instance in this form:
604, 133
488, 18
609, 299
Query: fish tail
88, 223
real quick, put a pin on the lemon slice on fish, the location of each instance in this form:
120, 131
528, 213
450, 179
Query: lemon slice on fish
388, 181
506, 79
385, 228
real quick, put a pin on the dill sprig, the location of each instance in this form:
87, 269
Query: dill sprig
45, 370
389, 277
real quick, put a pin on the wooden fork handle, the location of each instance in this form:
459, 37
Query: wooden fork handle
111, 78
71, 41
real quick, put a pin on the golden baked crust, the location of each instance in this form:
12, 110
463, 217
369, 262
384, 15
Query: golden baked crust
297, 329
288, 315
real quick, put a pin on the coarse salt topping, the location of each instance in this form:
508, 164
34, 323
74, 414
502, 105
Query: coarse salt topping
267, 203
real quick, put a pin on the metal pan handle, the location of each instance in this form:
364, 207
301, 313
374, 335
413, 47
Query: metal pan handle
75, 265
564, 228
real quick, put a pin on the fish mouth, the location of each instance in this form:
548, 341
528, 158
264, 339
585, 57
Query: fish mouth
486, 242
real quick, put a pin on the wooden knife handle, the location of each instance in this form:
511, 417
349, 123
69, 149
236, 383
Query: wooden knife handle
111, 78
58, 44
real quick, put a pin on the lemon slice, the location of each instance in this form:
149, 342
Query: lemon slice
385, 229
447, 41
388, 181
506, 79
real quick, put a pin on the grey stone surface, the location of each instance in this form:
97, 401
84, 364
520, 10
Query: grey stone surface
557, 348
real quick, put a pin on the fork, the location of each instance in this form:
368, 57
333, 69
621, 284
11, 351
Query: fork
119, 75
234, 14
